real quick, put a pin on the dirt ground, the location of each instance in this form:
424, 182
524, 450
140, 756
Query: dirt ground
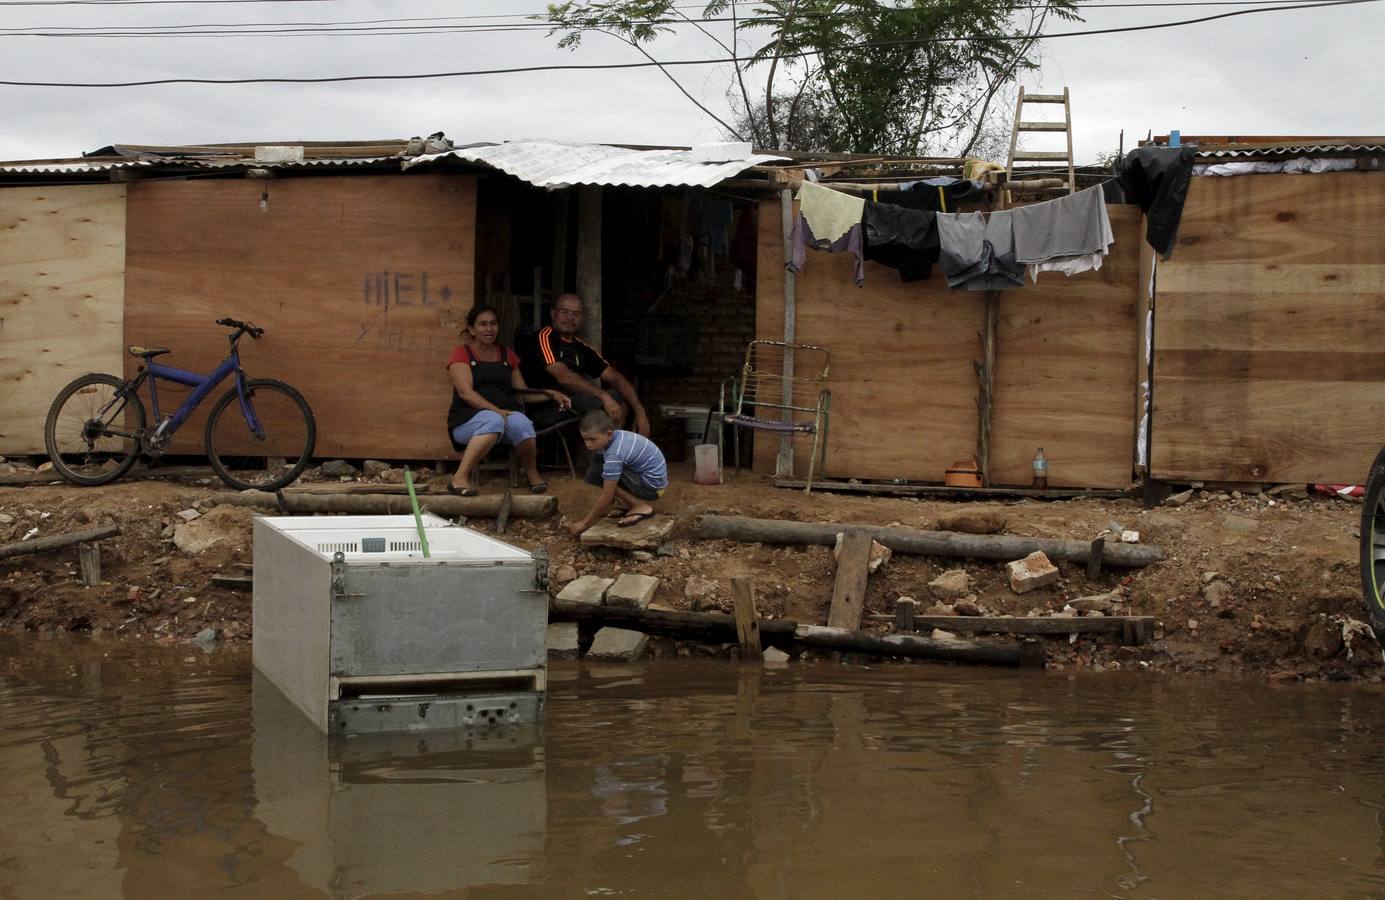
1263, 583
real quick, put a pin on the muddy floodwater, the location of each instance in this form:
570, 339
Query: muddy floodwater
128, 770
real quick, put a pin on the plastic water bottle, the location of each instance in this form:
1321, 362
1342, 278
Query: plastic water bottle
1040, 470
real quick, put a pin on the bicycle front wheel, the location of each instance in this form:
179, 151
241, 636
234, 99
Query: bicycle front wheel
92, 430
274, 456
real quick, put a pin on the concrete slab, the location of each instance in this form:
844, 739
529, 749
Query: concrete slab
618, 644
587, 589
646, 535
632, 591
562, 640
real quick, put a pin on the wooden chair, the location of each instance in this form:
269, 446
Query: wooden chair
773, 397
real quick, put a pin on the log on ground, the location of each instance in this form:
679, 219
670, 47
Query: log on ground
922, 543
522, 506
57, 541
720, 628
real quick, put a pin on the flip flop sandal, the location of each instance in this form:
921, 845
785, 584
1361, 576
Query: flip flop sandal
618, 513
461, 492
634, 519
540, 488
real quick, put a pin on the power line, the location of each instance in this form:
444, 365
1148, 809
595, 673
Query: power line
669, 63
421, 24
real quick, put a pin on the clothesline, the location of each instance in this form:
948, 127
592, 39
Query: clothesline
993, 251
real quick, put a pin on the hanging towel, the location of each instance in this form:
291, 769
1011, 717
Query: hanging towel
1069, 234
901, 238
1072, 225
802, 236
829, 213
979, 254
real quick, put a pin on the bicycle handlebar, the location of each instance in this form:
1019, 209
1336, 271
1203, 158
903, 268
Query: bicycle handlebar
245, 327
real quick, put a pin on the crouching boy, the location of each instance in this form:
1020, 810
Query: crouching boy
628, 468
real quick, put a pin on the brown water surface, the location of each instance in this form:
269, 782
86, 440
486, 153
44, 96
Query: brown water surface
128, 770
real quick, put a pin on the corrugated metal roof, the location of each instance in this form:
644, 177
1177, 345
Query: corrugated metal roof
69, 166
553, 164
1228, 151
256, 164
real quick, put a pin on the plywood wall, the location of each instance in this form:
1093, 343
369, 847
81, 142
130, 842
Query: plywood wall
1269, 321
904, 387
360, 283
62, 261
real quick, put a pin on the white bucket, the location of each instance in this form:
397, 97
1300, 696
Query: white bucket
706, 464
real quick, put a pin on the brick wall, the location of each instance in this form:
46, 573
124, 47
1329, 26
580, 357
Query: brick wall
633, 278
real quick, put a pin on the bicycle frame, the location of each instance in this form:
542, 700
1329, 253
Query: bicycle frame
202, 386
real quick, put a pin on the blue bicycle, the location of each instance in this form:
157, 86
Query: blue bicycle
259, 435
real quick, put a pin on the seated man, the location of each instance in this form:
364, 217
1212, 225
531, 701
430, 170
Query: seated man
560, 360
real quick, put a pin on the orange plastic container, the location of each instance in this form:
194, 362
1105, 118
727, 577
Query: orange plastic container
963, 473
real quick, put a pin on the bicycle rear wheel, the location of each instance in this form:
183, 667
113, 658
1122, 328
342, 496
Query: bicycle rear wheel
92, 430
1373, 545
278, 454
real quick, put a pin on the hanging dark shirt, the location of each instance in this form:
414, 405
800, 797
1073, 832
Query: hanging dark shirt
1157, 179
901, 238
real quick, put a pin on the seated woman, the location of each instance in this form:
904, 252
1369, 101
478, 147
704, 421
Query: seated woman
486, 389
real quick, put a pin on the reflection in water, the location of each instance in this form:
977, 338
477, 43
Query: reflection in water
407, 812
137, 771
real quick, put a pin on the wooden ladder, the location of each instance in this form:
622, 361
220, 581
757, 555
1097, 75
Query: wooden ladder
1054, 156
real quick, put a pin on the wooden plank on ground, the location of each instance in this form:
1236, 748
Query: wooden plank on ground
849, 590
62, 282
360, 283
1265, 322
747, 620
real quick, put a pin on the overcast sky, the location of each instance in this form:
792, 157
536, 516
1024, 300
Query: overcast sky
1287, 72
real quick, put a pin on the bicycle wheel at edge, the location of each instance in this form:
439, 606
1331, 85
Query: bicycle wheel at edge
246, 462
1373, 545
76, 434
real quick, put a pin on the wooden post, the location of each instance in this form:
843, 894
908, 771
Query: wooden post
783, 465
904, 609
985, 375
589, 261
849, 591
89, 555
747, 621
558, 278
1094, 558
502, 518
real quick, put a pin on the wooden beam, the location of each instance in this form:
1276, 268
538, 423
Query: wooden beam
1027, 655
985, 376
1132, 629
783, 465
941, 490
589, 261
89, 556
720, 628
557, 282
54, 542
923, 543
849, 591
234, 582
747, 621
502, 517
1094, 558
522, 506
904, 610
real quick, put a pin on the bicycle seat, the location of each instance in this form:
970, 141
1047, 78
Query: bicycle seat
147, 352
